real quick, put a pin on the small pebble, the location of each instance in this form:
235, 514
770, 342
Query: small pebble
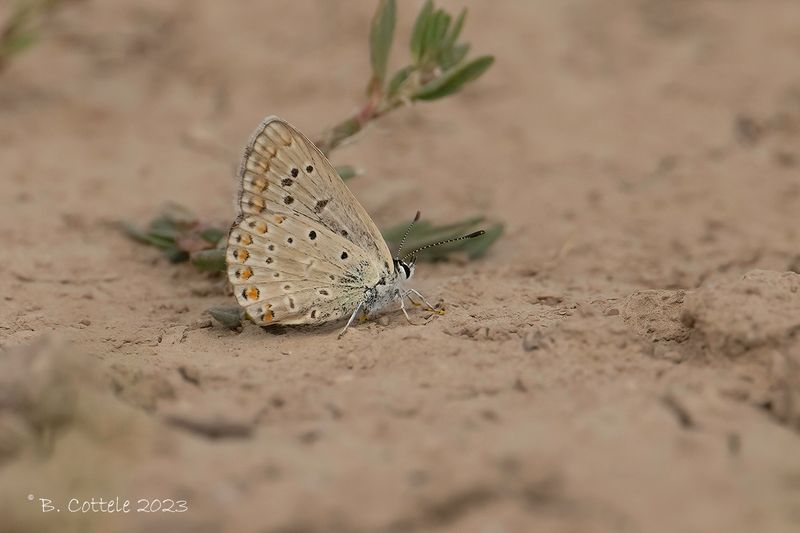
532, 340
189, 374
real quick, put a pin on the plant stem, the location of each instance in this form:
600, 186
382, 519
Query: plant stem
377, 105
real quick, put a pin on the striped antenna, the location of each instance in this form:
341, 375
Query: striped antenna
405, 235
470, 236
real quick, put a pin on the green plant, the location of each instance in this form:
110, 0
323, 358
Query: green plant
438, 68
21, 29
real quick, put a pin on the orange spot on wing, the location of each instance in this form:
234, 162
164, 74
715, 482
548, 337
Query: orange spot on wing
279, 219
256, 203
246, 273
251, 293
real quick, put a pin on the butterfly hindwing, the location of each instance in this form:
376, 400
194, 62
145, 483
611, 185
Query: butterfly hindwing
295, 272
302, 249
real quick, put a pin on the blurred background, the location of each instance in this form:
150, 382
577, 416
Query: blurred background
623, 357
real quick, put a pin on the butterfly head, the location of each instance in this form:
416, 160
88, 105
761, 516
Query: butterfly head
404, 269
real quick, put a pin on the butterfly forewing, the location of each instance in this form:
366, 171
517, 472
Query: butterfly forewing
302, 249
285, 169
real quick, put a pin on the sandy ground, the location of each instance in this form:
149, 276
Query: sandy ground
626, 358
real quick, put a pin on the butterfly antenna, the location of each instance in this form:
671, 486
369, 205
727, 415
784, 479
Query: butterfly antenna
405, 235
448, 241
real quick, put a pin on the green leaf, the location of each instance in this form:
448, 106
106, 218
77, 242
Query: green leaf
453, 80
453, 56
418, 34
475, 248
380, 37
430, 42
398, 79
19, 42
176, 255
147, 237
213, 235
209, 260
455, 31
229, 316
425, 233
440, 31
134, 232
347, 172
163, 227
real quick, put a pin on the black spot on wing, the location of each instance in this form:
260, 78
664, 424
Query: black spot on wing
320, 206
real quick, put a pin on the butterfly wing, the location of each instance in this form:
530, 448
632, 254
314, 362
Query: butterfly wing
302, 249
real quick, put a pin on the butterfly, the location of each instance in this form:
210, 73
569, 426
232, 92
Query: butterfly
302, 250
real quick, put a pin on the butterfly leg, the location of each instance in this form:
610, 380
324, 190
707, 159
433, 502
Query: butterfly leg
402, 297
421, 297
352, 317
403, 308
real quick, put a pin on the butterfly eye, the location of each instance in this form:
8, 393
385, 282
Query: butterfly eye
312, 234
295, 172
309, 169
287, 182
344, 255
